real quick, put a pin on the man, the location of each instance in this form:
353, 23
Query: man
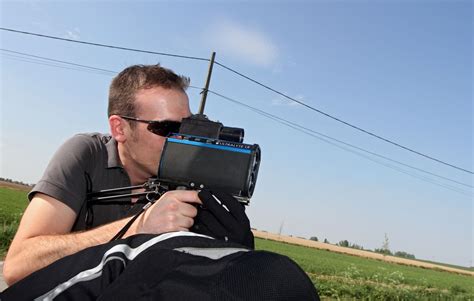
145, 103
61, 252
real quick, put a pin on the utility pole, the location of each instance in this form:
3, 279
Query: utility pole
281, 228
206, 87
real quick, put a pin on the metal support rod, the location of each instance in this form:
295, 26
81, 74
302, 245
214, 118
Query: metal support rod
206, 88
105, 191
114, 193
118, 196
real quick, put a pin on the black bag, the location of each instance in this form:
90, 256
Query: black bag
171, 266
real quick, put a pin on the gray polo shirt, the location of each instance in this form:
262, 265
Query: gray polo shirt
86, 163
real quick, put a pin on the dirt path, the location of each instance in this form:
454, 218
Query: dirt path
15, 186
361, 253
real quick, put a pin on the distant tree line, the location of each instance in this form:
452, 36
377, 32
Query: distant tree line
385, 249
314, 238
347, 244
15, 182
397, 253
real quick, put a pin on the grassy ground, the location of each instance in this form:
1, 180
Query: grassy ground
337, 276
471, 269
12, 203
343, 276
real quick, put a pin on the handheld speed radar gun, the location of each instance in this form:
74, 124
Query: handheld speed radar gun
206, 154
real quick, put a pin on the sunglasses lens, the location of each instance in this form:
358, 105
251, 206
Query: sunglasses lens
164, 128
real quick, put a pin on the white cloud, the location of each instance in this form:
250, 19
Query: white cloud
73, 34
283, 101
242, 42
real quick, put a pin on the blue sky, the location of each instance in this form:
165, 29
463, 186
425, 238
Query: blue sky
400, 69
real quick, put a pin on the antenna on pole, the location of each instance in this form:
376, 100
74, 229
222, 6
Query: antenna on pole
206, 87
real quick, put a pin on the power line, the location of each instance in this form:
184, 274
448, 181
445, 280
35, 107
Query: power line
342, 121
51, 64
46, 63
43, 61
254, 81
105, 45
57, 61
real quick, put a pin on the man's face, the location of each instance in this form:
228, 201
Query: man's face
143, 147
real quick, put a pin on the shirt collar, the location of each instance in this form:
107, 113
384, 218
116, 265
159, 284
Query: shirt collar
113, 160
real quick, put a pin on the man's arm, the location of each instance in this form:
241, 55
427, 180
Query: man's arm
43, 235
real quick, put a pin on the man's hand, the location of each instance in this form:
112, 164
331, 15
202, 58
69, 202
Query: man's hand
223, 217
174, 211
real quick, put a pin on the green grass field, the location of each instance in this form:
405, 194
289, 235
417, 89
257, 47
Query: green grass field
336, 276
12, 203
343, 276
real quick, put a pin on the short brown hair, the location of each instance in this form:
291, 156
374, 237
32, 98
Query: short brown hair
134, 78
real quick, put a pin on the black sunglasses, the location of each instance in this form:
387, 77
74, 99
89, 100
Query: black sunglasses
162, 128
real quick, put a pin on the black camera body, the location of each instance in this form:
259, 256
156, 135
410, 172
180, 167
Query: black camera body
206, 154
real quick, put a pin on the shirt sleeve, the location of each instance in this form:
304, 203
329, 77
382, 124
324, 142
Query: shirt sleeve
65, 176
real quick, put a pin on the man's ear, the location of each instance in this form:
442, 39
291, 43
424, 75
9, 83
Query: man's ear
117, 128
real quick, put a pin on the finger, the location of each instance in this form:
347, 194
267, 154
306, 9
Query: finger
186, 196
235, 208
177, 223
180, 229
186, 222
187, 210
